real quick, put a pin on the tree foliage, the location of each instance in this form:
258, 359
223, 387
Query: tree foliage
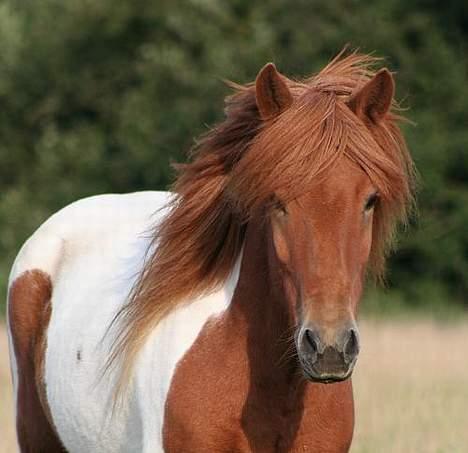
99, 96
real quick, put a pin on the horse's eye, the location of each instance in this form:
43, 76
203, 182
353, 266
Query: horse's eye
280, 208
371, 202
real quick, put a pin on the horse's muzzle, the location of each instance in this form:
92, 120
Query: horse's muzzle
327, 362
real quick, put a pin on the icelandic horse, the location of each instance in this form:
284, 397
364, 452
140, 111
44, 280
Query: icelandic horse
220, 317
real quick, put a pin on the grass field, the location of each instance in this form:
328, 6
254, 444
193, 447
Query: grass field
7, 433
410, 384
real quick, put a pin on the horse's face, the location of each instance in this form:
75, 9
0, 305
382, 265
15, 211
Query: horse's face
322, 235
322, 240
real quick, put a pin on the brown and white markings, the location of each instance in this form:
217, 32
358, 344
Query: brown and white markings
219, 332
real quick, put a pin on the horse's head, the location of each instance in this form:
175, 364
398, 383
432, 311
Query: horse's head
320, 172
330, 172
322, 240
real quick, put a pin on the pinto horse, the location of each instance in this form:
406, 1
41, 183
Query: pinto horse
210, 319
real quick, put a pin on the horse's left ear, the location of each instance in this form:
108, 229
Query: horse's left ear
272, 93
374, 99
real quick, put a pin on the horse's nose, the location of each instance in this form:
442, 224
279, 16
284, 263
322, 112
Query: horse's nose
328, 362
351, 345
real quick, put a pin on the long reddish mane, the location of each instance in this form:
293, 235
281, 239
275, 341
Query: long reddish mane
239, 165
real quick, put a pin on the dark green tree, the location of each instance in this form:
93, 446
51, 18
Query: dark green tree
101, 96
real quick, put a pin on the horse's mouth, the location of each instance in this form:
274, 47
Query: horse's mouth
329, 380
325, 378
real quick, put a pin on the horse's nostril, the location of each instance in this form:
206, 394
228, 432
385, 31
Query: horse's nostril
311, 341
351, 348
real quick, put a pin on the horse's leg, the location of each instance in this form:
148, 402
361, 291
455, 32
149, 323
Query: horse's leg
29, 312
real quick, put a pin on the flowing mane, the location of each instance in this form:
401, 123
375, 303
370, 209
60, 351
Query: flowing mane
235, 171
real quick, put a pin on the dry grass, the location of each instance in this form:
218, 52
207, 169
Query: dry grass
411, 388
7, 432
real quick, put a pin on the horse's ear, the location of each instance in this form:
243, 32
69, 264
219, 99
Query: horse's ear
374, 99
272, 93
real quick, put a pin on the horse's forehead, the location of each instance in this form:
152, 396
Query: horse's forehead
343, 184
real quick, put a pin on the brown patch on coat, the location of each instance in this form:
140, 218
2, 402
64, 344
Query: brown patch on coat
29, 311
239, 388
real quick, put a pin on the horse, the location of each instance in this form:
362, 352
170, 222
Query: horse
220, 316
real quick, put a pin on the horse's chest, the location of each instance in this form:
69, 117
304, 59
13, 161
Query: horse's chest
220, 415
221, 400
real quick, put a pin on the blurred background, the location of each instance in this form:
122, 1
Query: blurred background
100, 96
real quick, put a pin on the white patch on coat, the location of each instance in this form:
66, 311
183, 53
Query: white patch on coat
166, 347
93, 250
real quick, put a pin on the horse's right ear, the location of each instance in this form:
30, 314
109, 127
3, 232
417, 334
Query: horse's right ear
272, 93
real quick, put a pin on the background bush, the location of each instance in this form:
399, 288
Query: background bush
99, 96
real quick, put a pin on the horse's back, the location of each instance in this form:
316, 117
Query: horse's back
67, 283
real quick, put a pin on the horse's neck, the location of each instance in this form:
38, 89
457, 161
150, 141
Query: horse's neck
260, 300
278, 394
242, 366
